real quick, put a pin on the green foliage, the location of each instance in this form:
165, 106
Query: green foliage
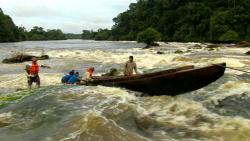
229, 36
55, 34
185, 20
73, 36
23, 34
101, 34
248, 33
87, 34
9, 32
38, 33
149, 36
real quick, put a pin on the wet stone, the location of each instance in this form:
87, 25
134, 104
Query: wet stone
23, 58
247, 53
159, 52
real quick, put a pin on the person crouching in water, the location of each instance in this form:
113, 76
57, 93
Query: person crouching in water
66, 78
33, 70
75, 79
130, 66
89, 73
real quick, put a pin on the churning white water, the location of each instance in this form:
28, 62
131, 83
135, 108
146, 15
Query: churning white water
218, 112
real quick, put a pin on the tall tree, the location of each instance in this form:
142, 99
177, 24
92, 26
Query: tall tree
8, 30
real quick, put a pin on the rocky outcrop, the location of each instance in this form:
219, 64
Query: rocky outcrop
160, 52
197, 46
151, 45
23, 58
242, 44
213, 46
178, 52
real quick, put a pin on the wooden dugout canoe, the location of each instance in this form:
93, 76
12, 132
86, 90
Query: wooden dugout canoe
168, 82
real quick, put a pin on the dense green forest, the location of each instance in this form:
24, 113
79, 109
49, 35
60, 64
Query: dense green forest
100, 34
38, 33
182, 20
9, 32
73, 36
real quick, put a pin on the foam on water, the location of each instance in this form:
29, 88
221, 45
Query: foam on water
175, 114
19, 81
231, 88
73, 113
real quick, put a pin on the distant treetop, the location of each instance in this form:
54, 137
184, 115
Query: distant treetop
183, 20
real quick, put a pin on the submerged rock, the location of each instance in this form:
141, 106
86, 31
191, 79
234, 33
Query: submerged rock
242, 44
146, 47
178, 52
247, 53
213, 46
197, 46
23, 58
151, 45
154, 44
211, 49
160, 52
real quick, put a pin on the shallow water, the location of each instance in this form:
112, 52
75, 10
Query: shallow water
218, 112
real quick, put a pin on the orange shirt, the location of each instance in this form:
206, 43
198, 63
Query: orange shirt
90, 72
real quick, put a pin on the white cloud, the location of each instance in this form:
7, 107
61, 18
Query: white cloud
68, 15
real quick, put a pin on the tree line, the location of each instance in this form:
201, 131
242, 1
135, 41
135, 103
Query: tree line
9, 32
181, 20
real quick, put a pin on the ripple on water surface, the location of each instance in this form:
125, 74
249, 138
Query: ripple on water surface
218, 112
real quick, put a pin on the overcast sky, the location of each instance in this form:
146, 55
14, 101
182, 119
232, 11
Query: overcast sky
72, 16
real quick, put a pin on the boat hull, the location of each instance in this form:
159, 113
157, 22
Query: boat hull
170, 82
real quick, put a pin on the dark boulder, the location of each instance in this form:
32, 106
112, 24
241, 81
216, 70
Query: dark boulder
23, 58
147, 47
197, 46
213, 46
151, 45
247, 53
242, 44
159, 52
154, 44
43, 57
178, 52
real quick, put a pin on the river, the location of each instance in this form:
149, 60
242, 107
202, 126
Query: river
55, 112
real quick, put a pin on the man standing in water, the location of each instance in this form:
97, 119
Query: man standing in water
130, 66
33, 71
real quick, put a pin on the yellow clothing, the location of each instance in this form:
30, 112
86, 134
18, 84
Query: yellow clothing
129, 68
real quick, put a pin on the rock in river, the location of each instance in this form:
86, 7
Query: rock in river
23, 58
